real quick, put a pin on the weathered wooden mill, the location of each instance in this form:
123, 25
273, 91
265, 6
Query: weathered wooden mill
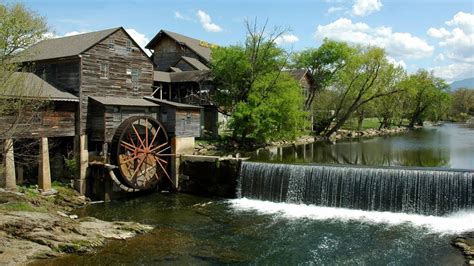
99, 87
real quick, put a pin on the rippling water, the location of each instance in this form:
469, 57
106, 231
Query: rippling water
196, 230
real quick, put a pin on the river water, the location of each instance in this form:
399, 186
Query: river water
208, 231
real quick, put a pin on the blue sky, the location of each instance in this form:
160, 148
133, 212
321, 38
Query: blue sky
433, 34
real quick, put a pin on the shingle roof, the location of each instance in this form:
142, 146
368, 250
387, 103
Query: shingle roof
297, 74
194, 63
63, 47
121, 101
184, 76
28, 85
193, 44
175, 104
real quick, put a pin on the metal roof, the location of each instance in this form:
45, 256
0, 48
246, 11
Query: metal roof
122, 101
193, 44
28, 85
184, 76
174, 104
297, 74
194, 63
63, 47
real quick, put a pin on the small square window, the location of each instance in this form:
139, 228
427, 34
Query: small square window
135, 75
129, 46
104, 71
111, 44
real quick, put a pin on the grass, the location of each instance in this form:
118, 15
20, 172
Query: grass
18, 206
368, 123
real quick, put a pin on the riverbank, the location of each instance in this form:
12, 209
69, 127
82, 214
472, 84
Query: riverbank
465, 243
35, 226
233, 149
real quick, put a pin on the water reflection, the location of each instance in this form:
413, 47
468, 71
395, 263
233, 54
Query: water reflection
448, 146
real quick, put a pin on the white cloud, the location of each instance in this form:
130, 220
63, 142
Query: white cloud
206, 22
459, 42
438, 33
366, 7
178, 15
399, 44
455, 71
139, 38
72, 33
399, 63
465, 21
334, 9
440, 58
286, 38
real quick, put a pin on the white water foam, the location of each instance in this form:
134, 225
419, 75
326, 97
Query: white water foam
455, 223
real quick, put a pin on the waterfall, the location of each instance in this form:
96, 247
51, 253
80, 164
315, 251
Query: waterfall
410, 190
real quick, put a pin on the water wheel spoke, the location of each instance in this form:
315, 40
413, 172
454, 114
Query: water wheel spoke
157, 148
128, 146
161, 160
154, 137
146, 132
131, 159
166, 174
138, 135
138, 167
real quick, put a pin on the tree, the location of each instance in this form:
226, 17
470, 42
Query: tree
323, 63
264, 103
462, 105
19, 29
366, 76
427, 97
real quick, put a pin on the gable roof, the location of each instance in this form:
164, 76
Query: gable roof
63, 47
297, 74
184, 76
121, 101
191, 43
28, 85
196, 64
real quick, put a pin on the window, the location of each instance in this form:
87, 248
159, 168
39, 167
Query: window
129, 46
135, 75
104, 71
111, 44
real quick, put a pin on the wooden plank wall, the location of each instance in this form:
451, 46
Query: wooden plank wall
114, 117
188, 123
119, 83
58, 121
64, 75
167, 53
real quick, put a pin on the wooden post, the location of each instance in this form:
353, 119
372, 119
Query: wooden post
19, 175
82, 162
179, 146
44, 169
9, 180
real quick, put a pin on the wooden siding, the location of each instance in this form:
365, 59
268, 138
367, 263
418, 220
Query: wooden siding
185, 66
114, 116
55, 121
119, 82
181, 122
61, 74
167, 52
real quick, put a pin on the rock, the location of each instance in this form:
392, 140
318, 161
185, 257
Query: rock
73, 216
62, 214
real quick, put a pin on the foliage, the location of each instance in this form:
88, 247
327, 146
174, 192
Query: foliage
366, 76
264, 103
462, 106
19, 29
426, 97
323, 63
270, 115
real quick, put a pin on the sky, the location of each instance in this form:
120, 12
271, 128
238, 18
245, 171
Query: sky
437, 35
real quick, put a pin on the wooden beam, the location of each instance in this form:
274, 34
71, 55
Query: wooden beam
9, 179
44, 169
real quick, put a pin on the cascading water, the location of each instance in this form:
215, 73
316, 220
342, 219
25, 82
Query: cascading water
415, 190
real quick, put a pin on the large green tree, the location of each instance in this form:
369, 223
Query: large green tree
323, 63
264, 102
426, 97
19, 29
366, 76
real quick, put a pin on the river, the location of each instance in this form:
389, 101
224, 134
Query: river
208, 231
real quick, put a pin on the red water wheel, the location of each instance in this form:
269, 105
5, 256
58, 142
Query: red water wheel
141, 151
